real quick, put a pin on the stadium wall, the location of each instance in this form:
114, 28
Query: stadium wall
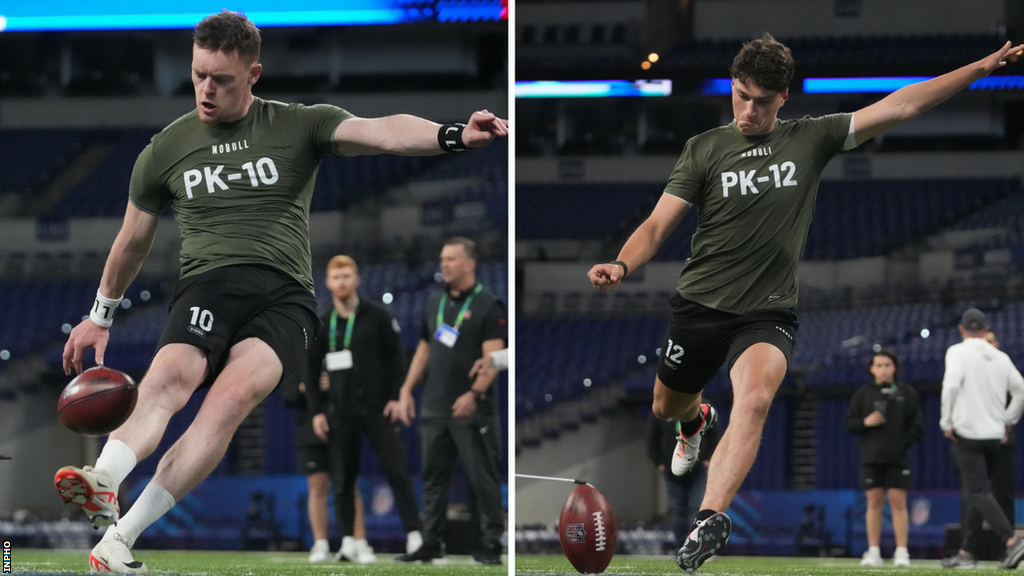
598, 454
159, 111
725, 19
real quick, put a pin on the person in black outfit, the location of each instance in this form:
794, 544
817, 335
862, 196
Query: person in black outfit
360, 350
459, 417
685, 492
887, 416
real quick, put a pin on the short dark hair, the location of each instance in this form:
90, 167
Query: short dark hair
766, 61
891, 356
229, 32
468, 245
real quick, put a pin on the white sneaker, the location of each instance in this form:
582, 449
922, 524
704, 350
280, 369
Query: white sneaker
688, 447
320, 552
870, 559
347, 552
364, 552
113, 555
901, 557
92, 490
413, 541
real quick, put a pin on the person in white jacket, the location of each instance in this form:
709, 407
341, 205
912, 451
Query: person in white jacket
976, 418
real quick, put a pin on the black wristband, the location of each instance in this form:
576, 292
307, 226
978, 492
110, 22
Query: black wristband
449, 137
625, 269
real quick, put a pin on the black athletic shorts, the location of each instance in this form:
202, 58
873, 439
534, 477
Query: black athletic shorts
700, 339
884, 476
313, 458
215, 310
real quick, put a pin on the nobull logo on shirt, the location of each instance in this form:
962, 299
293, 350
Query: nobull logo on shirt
230, 147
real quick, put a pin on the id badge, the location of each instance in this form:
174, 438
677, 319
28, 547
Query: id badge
446, 335
341, 360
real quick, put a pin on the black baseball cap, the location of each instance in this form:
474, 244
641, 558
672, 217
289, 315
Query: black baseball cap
973, 320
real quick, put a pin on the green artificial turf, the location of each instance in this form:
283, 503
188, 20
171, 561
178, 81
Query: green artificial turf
241, 564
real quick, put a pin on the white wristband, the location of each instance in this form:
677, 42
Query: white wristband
103, 309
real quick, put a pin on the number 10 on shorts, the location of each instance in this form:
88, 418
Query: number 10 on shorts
202, 319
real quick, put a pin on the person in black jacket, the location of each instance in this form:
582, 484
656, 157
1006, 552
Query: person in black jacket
685, 492
360, 350
887, 416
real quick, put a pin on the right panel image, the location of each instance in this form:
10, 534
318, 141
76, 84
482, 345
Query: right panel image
770, 305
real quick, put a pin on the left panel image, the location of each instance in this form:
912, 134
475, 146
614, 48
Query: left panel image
254, 261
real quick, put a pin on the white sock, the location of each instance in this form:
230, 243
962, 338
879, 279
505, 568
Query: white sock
153, 503
903, 551
117, 460
874, 551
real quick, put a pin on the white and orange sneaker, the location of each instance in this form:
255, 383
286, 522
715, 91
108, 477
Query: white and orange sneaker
113, 554
92, 490
688, 447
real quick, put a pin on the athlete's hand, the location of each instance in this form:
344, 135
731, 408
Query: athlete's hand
87, 334
464, 405
874, 419
320, 426
482, 128
997, 59
951, 434
403, 409
604, 277
325, 382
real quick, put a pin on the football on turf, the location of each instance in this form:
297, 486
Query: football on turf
97, 401
587, 530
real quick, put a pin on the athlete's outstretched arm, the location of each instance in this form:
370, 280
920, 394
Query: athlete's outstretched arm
407, 135
129, 251
643, 243
910, 101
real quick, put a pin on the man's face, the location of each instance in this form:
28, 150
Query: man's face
455, 265
342, 282
883, 369
223, 84
755, 108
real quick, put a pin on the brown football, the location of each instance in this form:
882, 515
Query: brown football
587, 530
97, 401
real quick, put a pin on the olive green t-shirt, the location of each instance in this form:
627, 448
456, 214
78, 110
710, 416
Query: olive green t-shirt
240, 190
755, 198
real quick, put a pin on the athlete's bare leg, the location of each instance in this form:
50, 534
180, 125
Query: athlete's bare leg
873, 516
250, 375
318, 485
671, 404
175, 373
900, 517
756, 376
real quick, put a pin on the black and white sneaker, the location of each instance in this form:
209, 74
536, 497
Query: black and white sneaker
960, 560
428, 553
706, 539
1014, 554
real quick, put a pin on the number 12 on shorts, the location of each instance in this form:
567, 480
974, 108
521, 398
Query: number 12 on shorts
674, 352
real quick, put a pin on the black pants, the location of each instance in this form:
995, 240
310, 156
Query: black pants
345, 442
477, 444
975, 460
1003, 476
